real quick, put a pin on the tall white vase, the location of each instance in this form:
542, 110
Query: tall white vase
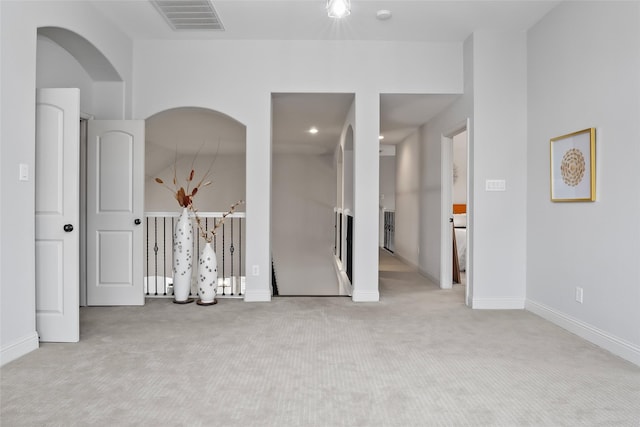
182, 257
207, 276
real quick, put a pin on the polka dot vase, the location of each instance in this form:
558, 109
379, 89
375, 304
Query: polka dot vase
207, 276
182, 257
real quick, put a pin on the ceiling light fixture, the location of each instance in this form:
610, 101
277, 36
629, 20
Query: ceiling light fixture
338, 8
313, 130
381, 137
383, 14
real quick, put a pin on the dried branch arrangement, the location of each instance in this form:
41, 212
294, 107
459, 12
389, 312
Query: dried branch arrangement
208, 235
182, 195
185, 194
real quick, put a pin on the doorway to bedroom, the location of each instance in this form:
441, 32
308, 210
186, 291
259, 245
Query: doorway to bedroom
455, 232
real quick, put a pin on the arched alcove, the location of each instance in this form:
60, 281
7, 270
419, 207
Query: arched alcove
212, 145
201, 139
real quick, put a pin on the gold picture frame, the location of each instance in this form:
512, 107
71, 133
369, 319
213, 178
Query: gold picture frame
573, 167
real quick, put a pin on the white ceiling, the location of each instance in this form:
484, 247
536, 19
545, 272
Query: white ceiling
412, 20
293, 114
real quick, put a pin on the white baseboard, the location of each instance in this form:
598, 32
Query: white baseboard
498, 303
615, 345
257, 296
429, 276
406, 261
369, 296
19, 348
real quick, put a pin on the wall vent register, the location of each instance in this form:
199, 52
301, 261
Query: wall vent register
189, 14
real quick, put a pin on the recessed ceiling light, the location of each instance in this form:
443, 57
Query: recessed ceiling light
383, 14
381, 137
313, 130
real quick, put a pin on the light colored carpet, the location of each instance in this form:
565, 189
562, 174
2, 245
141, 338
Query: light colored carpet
419, 357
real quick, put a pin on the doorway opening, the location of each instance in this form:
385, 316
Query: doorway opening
456, 211
311, 192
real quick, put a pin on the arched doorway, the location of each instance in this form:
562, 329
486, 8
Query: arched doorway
212, 144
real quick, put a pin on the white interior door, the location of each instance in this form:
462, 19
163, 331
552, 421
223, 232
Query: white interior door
115, 208
57, 214
446, 214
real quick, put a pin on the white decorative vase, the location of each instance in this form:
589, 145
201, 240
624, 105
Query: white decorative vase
207, 276
182, 257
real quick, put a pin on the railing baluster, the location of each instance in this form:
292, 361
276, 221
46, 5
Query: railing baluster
155, 254
147, 255
164, 254
231, 250
173, 226
240, 260
223, 276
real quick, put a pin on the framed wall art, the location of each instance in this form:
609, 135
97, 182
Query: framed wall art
573, 167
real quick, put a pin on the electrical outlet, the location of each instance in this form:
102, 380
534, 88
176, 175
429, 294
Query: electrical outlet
579, 294
256, 270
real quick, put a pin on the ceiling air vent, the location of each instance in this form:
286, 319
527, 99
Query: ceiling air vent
189, 14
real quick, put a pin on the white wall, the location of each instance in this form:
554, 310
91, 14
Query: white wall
460, 163
55, 67
387, 189
584, 71
228, 185
303, 196
407, 218
238, 77
388, 182
18, 34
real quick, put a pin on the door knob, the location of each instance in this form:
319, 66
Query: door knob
68, 228
137, 221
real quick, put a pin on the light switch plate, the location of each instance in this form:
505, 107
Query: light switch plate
24, 172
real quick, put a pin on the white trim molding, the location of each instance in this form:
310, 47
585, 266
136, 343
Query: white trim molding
369, 296
615, 345
19, 348
429, 276
257, 296
498, 303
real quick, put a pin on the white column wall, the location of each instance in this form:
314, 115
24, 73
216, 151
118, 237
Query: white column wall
367, 174
237, 78
499, 139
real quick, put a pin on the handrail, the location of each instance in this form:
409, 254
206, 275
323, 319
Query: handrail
200, 214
